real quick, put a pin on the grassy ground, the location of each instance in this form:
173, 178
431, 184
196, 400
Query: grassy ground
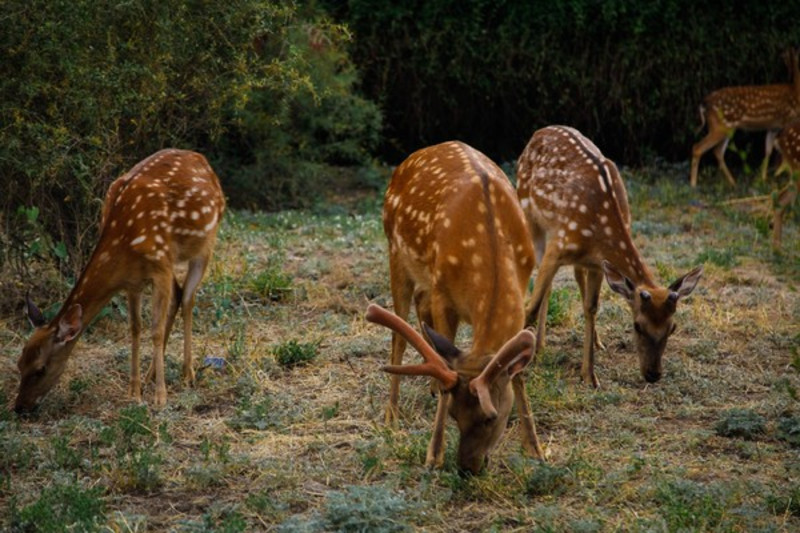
289, 436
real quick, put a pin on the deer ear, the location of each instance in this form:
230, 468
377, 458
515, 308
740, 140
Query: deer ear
441, 344
618, 282
684, 285
35, 316
70, 324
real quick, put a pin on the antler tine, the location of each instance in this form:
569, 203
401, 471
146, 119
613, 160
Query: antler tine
433, 366
513, 357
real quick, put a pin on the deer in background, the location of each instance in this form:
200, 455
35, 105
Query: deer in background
166, 210
577, 208
788, 144
460, 248
753, 107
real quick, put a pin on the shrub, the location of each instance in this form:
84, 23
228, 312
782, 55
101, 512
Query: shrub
292, 353
63, 507
742, 423
789, 430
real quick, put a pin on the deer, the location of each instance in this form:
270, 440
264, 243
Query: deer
788, 145
751, 107
459, 247
162, 213
577, 208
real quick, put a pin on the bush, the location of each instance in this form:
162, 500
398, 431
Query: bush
741, 423
292, 353
630, 75
63, 507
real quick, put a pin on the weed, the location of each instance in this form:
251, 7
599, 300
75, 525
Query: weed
689, 506
725, 259
255, 414
789, 430
64, 455
135, 439
272, 283
291, 354
742, 423
558, 305
356, 509
63, 507
787, 501
547, 480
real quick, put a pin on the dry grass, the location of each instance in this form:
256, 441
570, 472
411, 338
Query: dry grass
255, 446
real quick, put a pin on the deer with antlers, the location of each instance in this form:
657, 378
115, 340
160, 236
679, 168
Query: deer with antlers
577, 208
788, 144
752, 107
163, 212
460, 249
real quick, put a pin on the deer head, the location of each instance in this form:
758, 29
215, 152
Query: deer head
653, 309
480, 385
45, 354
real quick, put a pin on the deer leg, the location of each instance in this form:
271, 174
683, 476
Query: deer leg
194, 275
581, 276
445, 322
162, 294
175, 303
541, 291
719, 152
769, 144
786, 198
135, 319
714, 137
402, 291
590, 290
530, 441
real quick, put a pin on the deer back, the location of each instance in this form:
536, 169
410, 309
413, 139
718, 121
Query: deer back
452, 219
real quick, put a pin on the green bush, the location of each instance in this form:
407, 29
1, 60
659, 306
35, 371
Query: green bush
292, 353
741, 423
629, 74
63, 507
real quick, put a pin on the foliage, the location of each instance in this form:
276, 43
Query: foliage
358, 509
630, 75
87, 89
292, 353
62, 507
690, 506
789, 430
134, 439
742, 423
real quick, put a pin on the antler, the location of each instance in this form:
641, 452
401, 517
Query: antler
513, 357
433, 366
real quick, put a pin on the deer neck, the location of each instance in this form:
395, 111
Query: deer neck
99, 281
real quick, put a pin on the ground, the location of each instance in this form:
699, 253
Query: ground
284, 430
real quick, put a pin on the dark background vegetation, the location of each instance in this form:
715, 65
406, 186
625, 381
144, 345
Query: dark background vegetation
287, 98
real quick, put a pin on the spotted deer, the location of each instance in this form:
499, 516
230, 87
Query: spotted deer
788, 144
460, 248
165, 211
751, 107
577, 208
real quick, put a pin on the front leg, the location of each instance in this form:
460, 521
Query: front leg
530, 441
591, 298
162, 295
435, 456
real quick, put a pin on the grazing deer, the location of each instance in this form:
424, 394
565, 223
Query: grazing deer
164, 211
752, 107
788, 144
577, 208
460, 248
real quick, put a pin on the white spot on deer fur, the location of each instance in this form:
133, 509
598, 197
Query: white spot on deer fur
446, 222
137, 240
608, 230
572, 246
140, 214
113, 223
211, 224
453, 260
582, 208
194, 215
159, 239
129, 223
561, 233
480, 228
603, 219
586, 232
180, 204
477, 260
572, 225
606, 205
622, 245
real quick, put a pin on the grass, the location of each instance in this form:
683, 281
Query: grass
285, 431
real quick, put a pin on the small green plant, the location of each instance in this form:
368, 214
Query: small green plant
558, 306
292, 353
741, 423
789, 430
135, 439
547, 479
258, 413
358, 509
787, 501
272, 283
722, 258
686, 505
63, 507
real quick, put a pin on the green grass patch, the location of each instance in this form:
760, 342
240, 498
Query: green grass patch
62, 507
292, 353
741, 423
